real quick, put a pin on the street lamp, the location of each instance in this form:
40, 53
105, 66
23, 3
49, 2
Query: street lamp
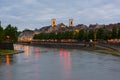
8, 37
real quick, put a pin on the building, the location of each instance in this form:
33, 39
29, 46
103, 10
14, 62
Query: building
26, 36
53, 22
71, 23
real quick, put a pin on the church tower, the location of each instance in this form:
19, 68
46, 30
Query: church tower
53, 22
71, 24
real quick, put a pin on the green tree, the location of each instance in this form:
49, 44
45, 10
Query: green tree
11, 33
43, 36
91, 34
1, 33
114, 33
86, 36
107, 34
59, 35
119, 33
52, 35
75, 34
67, 35
81, 35
100, 33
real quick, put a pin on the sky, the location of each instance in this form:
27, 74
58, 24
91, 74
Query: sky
31, 14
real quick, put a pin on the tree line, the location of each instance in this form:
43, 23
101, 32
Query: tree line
82, 35
10, 33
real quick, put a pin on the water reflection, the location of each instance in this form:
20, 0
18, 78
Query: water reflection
8, 73
7, 59
26, 49
65, 57
18, 47
27, 52
58, 64
36, 52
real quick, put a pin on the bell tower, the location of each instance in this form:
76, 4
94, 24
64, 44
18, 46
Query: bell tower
53, 22
71, 22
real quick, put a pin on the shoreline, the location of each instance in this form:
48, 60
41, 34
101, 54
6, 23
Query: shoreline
82, 46
11, 53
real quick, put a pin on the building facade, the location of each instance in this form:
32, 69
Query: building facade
53, 22
71, 23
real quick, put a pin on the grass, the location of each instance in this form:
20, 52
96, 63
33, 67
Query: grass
110, 51
104, 50
8, 52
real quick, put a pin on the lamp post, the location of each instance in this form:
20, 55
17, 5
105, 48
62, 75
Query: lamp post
8, 38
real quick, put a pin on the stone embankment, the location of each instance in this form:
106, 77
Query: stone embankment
114, 46
99, 47
58, 45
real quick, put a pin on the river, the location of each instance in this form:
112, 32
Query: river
40, 63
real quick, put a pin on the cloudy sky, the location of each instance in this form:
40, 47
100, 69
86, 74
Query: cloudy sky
33, 14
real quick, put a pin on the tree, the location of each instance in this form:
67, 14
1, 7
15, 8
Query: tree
11, 33
67, 35
1, 33
59, 35
81, 35
91, 34
107, 35
119, 33
100, 33
86, 36
52, 35
114, 33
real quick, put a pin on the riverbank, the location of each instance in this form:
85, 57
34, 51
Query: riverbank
83, 46
103, 50
9, 52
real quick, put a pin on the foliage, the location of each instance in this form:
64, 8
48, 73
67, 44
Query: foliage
1, 34
91, 34
107, 34
114, 33
119, 33
10, 33
86, 36
100, 33
82, 35
54, 35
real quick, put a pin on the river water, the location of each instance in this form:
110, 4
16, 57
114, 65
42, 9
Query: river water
40, 63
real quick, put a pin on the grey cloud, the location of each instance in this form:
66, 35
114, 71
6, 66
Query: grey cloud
35, 13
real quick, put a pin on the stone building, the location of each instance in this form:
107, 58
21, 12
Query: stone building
53, 22
71, 23
26, 36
